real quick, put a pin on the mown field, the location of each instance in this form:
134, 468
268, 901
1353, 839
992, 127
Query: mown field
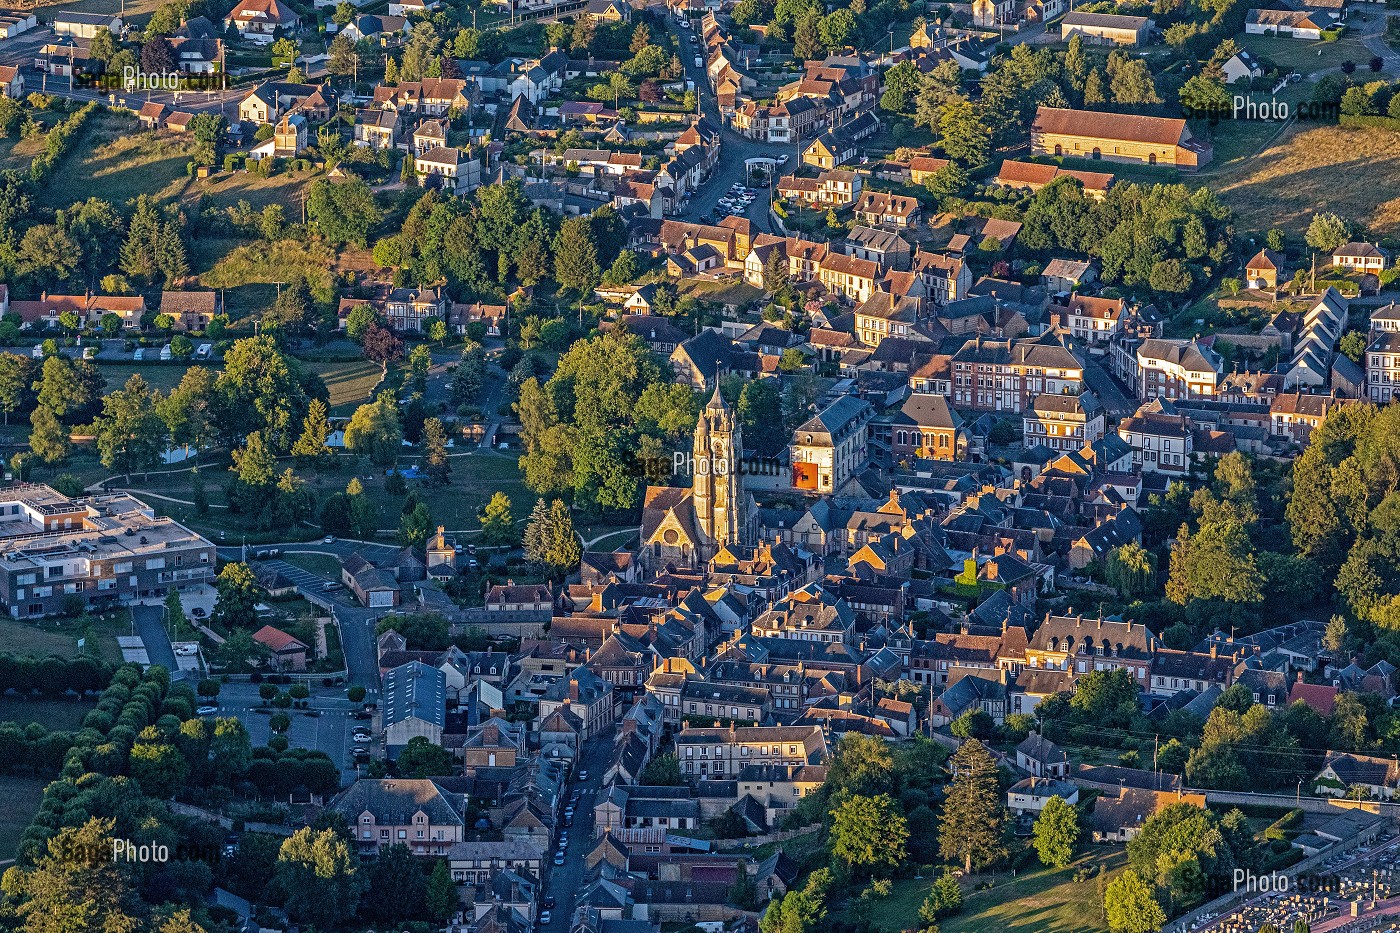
1038, 901
22, 796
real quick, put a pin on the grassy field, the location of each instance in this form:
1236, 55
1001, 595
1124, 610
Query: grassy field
16, 153
1306, 57
1354, 172
249, 274
1040, 901
22, 797
51, 714
474, 480
60, 637
324, 564
115, 158
227, 189
351, 384
164, 377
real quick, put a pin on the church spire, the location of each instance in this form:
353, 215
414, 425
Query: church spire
717, 400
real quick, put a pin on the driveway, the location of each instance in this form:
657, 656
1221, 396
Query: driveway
148, 623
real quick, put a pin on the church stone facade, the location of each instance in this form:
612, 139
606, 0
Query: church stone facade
686, 527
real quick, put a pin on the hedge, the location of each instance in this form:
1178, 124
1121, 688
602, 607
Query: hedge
1355, 121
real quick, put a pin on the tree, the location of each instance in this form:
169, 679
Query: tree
75, 884
1131, 571
374, 430
1216, 562
66, 387
397, 887
420, 364
663, 771
381, 344
974, 821
344, 56
869, 834
576, 255
415, 525
1056, 831
360, 319
47, 437
130, 434
1204, 95
158, 767
903, 84
1327, 232
550, 539
420, 758
441, 900
944, 900
806, 37
342, 211
436, 464
319, 877
16, 378
310, 449
239, 595
1334, 637
1131, 906
497, 524
966, 139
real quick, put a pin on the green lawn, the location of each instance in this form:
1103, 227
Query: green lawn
162, 376
324, 564
60, 636
54, 715
351, 384
22, 796
118, 160
474, 480
1305, 56
1040, 901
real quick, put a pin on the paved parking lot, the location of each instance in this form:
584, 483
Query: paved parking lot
326, 727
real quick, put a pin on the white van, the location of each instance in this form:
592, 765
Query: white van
205, 349
139, 355
165, 352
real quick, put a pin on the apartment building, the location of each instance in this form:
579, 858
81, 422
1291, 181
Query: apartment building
1177, 369
1004, 375
99, 551
721, 754
1080, 645
1089, 318
402, 811
830, 448
1063, 422
809, 614
1383, 355
1160, 438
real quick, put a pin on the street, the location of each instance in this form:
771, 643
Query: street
734, 148
564, 881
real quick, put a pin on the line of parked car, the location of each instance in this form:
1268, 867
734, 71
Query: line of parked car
738, 201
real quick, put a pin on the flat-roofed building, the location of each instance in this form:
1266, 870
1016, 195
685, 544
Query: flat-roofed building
102, 550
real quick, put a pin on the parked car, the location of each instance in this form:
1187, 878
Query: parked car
207, 710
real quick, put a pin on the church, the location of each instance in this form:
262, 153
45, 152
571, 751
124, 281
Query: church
686, 527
